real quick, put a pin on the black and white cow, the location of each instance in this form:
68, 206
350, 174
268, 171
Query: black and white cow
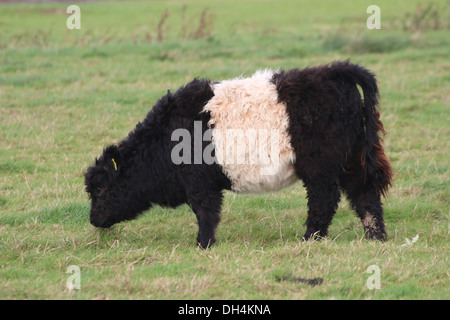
256, 134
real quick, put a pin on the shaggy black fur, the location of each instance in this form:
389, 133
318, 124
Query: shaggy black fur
335, 137
146, 175
333, 132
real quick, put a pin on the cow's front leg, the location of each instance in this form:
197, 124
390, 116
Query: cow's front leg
206, 206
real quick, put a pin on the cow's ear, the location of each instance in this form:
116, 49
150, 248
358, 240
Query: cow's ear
113, 159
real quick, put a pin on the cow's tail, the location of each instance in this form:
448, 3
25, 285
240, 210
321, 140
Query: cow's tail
376, 165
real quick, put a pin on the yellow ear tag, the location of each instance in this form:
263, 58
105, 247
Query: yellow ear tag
115, 164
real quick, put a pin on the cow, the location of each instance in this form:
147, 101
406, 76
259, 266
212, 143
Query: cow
249, 135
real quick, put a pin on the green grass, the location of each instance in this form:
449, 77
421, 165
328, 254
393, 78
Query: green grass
65, 94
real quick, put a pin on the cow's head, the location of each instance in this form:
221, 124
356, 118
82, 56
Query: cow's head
110, 188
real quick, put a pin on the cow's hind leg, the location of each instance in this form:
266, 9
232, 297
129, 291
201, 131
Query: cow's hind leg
364, 199
323, 198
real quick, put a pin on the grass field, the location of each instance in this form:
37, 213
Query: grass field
65, 94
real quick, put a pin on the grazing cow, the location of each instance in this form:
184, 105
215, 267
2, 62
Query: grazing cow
255, 134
